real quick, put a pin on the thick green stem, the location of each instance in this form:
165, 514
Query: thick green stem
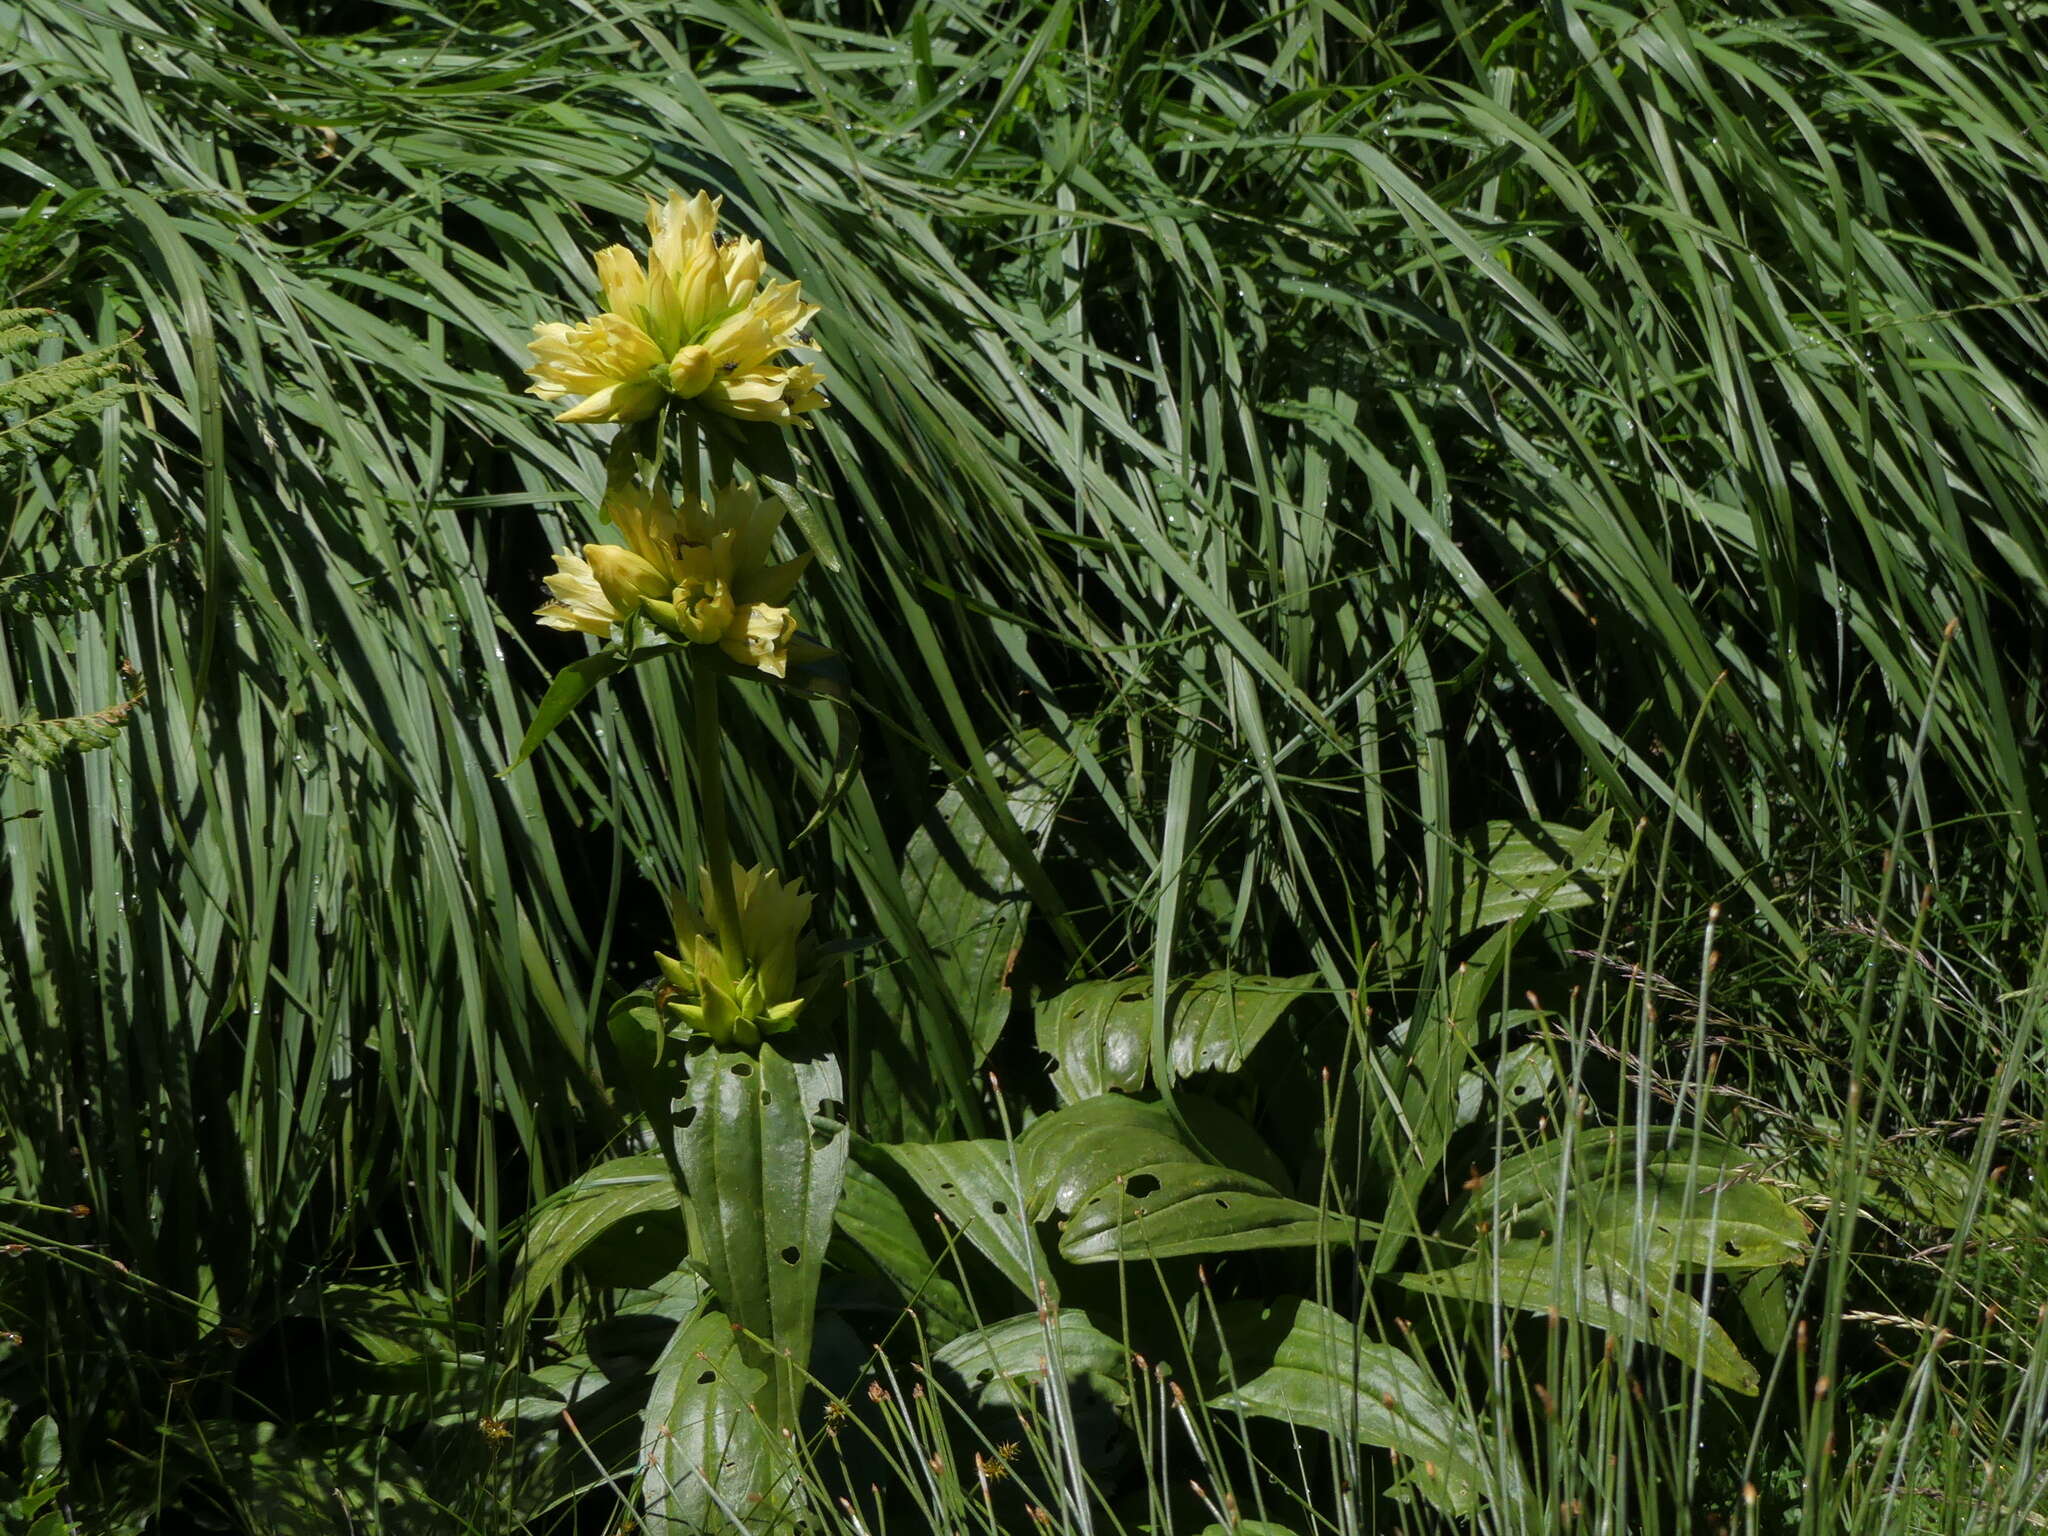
721, 908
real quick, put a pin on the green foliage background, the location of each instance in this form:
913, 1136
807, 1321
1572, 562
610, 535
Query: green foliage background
1338, 426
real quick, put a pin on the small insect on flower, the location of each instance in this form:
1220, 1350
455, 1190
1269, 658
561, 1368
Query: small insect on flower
698, 323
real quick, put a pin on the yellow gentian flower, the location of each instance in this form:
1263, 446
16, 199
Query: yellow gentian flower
695, 323
703, 571
578, 601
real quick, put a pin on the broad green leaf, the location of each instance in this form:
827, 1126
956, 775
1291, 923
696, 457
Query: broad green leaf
1520, 1079
966, 901
974, 1187
1004, 1362
1530, 1275
311, 1481
1181, 1209
875, 1220
624, 1190
1065, 1156
1518, 868
651, 1065
1527, 1186
1099, 1033
1932, 1187
1099, 1036
1297, 1361
1672, 1222
709, 1460
763, 1170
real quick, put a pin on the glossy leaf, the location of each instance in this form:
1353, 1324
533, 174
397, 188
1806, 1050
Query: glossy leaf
972, 1185
568, 689
1530, 1275
1297, 1361
882, 1227
1099, 1033
1180, 1209
709, 1459
1518, 868
1065, 1156
764, 1174
1672, 1223
1526, 1187
968, 904
612, 1194
1005, 1362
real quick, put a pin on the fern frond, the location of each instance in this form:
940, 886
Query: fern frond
34, 743
73, 588
51, 402
17, 330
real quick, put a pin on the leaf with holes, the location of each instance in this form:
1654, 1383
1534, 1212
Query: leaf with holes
705, 1449
878, 1223
625, 1193
1299, 1362
1177, 1209
974, 1187
1530, 1275
1671, 1223
1005, 1362
1065, 1156
764, 1174
1099, 1033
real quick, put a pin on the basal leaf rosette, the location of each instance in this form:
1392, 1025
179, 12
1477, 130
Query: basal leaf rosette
704, 572
740, 988
698, 323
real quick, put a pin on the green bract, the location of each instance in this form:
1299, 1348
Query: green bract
741, 986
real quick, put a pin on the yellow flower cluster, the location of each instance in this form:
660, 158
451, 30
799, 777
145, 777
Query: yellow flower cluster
696, 323
702, 573
755, 985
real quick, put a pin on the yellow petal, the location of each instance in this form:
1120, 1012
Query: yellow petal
625, 577
620, 276
692, 369
703, 595
617, 402
647, 519
759, 637
700, 286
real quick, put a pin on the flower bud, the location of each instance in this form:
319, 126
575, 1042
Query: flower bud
691, 371
626, 579
756, 984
